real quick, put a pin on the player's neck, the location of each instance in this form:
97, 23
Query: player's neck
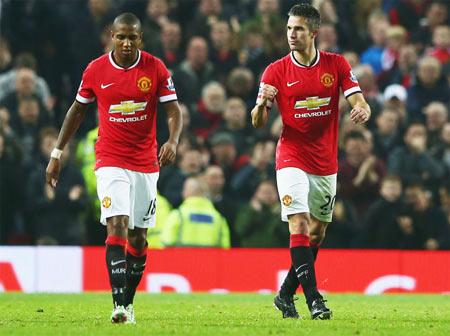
306, 57
124, 62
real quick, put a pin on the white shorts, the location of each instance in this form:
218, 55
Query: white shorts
126, 192
302, 192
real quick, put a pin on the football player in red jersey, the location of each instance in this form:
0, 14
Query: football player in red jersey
127, 84
306, 85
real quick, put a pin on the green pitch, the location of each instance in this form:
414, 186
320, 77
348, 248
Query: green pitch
206, 314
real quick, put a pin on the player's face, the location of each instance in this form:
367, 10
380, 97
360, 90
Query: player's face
127, 39
299, 36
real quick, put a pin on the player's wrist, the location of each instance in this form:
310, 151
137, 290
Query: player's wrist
56, 153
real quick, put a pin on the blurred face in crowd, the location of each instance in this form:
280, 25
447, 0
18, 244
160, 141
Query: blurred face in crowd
224, 153
98, 7
25, 81
356, 150
191, 162
436, 116
29, 110
417, 197
171, 36
391, 189
366, 77
415, 133
436, 14
126, 39
395, 37
197, 52
300, 37
235, 113
327, 37
387, 122
193, 187
266, 193
351, 57
377, 29
220, 34
210, 7
215, 179
47, 144
441, 37
268, 6
429, 71
240, 82
157, 8
213, 96
407, 59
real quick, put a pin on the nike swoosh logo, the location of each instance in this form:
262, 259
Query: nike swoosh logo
297, 269
105, 86
293, 83
114, 263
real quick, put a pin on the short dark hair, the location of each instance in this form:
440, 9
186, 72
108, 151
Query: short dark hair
25, 60
128, 19
309, 12
354, 135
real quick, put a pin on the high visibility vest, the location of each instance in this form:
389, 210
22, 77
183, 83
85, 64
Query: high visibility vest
163, 209
196, 223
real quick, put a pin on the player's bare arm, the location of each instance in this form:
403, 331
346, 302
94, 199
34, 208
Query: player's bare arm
168, 151
72, 121
260, 113
360, 112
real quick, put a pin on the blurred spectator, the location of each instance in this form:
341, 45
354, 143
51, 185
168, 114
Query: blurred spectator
189, 164
235, 123
387, 134
327, 38
360, 172
376, 26
396, 37
196, 222
368, 84
208, 114
352, 58
5, 56
208, 13
222, 53
441, 151
260, 167
55, 215
194, 72
407, 13
258, 222
430, 221
157, 16
224, 202
252, 54
411, 161
403, 70
383, 226
395, 98
436, 115
441, 44
169, 50
431, 86
241, 83
342, 232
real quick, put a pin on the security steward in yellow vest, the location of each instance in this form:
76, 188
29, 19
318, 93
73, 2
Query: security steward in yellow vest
196, 223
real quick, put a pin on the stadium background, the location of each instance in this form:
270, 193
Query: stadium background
216, 50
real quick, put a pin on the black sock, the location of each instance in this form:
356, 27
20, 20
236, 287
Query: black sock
117, 268
303, 262
314, 250
135, 269
290, 284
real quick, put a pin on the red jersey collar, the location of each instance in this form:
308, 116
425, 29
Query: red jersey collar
115, 65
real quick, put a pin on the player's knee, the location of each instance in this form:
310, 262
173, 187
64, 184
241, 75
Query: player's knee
138, 239
117, 226
299, 224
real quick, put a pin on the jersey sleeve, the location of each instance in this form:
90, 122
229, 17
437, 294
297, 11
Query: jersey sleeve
268, 77
347, 79
166, 89
85, 94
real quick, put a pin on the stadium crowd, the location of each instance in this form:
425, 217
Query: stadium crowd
394, 175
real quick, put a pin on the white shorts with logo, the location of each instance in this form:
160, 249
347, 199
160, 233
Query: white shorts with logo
302, 192
126, 192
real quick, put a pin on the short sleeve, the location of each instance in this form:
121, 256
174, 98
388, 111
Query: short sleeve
85, 94
347, 79
268, 77
166, 89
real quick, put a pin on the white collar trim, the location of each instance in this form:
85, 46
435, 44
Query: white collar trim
305, 66
115, 65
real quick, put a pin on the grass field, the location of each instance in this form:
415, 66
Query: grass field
207, 314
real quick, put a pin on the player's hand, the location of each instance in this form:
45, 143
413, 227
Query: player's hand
268, 92
359, 115
52, 172
167, 153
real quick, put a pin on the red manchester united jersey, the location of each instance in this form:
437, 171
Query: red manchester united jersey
308, 98
127, 100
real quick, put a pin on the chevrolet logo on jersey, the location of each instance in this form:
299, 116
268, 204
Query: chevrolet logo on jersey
312, 103
127, 107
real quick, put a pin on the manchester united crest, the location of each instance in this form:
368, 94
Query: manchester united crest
287, 200
144, 84
327, 79
106, 202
